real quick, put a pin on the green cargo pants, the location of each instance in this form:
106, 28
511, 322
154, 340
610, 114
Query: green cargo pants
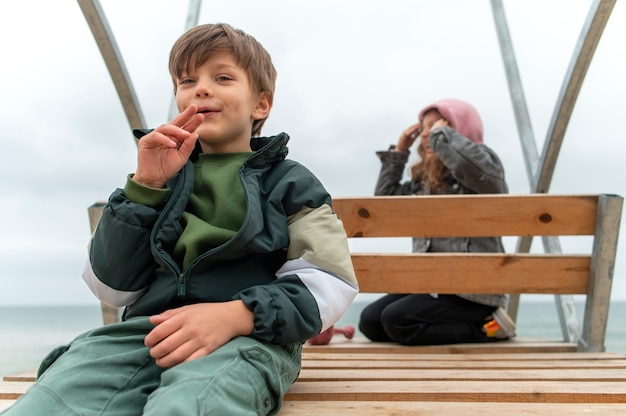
108, 371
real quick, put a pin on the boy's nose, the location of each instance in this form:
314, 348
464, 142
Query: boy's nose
204, 90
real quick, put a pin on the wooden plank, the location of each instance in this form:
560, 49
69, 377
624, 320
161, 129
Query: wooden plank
396, 408
418, 408
516, 345
455, 373
462, 391
23, 376
467, 215
589, 357
380, 366
11, 390
465, 273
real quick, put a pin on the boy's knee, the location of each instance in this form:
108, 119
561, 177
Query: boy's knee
233, 387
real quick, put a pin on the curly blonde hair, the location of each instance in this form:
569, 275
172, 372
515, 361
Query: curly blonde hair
430, 171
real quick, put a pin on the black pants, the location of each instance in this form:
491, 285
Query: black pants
425, 320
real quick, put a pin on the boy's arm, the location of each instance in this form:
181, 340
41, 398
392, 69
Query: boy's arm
120, 264
317, 283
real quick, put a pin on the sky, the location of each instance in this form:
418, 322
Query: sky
352, 75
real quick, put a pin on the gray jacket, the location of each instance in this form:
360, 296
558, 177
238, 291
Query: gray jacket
474, 169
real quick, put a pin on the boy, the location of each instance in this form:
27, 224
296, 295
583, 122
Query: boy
226, 256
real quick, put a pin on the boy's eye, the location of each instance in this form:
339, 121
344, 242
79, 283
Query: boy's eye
186, 81
223, 78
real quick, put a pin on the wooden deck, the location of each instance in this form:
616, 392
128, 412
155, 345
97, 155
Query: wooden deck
519, 377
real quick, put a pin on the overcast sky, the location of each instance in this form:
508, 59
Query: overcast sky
351, 76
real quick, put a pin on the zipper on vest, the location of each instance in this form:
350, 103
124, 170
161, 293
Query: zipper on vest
181, 284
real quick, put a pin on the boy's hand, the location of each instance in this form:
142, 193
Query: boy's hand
165, 150
408, 137
193, 331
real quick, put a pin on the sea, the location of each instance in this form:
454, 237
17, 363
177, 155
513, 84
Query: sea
28, 333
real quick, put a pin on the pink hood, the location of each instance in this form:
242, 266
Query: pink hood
462, 117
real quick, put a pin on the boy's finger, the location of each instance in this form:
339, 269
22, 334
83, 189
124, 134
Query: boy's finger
187, 146
172, 132
194, 123
185, 116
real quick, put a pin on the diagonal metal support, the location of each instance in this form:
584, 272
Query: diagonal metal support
581, 59
540, 170
103, 35
516, 90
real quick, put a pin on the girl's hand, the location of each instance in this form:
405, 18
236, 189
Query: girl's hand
442, 122
408, 137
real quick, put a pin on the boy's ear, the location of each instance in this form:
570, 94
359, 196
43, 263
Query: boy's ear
263, 106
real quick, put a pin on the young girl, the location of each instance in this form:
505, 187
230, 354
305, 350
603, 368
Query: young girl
454, 160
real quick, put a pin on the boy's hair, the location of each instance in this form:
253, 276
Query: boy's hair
198, 44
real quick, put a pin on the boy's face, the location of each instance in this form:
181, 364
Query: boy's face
223, 93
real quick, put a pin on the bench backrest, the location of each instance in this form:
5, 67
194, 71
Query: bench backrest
491, 215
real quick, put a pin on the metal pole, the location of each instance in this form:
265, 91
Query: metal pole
608, 219
522, 118
103, 35
581, 59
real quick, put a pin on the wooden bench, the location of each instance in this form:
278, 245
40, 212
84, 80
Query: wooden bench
587, 274
522, 375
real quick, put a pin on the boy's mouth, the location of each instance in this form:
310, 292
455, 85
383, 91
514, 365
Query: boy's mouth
205, 111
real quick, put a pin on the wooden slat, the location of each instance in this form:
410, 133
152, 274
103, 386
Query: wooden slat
418, 408
467, 215
585, 357
465, 273
532, 391
11, 390
515, 345
472, 373
376, 366
23, 376
380, 366
397, 408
